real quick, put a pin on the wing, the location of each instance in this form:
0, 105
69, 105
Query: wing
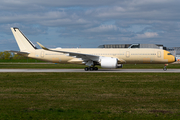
87, 58
84, 57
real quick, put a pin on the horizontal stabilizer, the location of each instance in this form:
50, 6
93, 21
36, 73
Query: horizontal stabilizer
18, 52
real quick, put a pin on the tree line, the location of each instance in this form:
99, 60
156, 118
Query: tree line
8, 56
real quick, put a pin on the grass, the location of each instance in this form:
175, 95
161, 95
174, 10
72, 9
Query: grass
89, 96
75, 66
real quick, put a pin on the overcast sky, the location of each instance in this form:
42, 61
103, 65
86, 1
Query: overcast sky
90, 23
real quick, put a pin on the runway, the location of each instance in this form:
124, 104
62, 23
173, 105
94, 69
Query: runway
99, 71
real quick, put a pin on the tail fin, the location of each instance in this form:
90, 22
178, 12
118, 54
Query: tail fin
23, 42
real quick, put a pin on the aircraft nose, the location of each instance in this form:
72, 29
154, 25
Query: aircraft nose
172, 59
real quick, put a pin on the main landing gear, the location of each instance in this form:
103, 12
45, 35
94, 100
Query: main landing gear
165, 67
90, 68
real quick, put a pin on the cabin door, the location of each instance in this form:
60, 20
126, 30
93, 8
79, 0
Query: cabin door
127, 54
42, 54
159, 54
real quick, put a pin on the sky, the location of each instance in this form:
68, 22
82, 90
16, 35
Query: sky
90, 23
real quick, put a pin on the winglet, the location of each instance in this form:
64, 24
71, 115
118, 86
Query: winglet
42, 46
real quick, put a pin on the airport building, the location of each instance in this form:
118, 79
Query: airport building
173, 50
132, 46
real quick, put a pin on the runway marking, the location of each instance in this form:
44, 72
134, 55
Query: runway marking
99, 71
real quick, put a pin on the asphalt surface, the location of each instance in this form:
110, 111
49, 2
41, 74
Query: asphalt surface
100, 70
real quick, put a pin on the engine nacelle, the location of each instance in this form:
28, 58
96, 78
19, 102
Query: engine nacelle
108, 62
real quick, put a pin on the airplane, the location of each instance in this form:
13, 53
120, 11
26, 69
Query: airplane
91, 57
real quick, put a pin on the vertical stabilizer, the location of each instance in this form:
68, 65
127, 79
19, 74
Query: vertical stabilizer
23, 42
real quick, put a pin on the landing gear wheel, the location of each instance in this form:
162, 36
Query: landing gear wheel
86, 68
165, 68
91, 68
95, 68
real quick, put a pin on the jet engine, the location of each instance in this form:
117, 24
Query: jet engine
109, 62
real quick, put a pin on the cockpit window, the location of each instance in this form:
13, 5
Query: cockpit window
169, 54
